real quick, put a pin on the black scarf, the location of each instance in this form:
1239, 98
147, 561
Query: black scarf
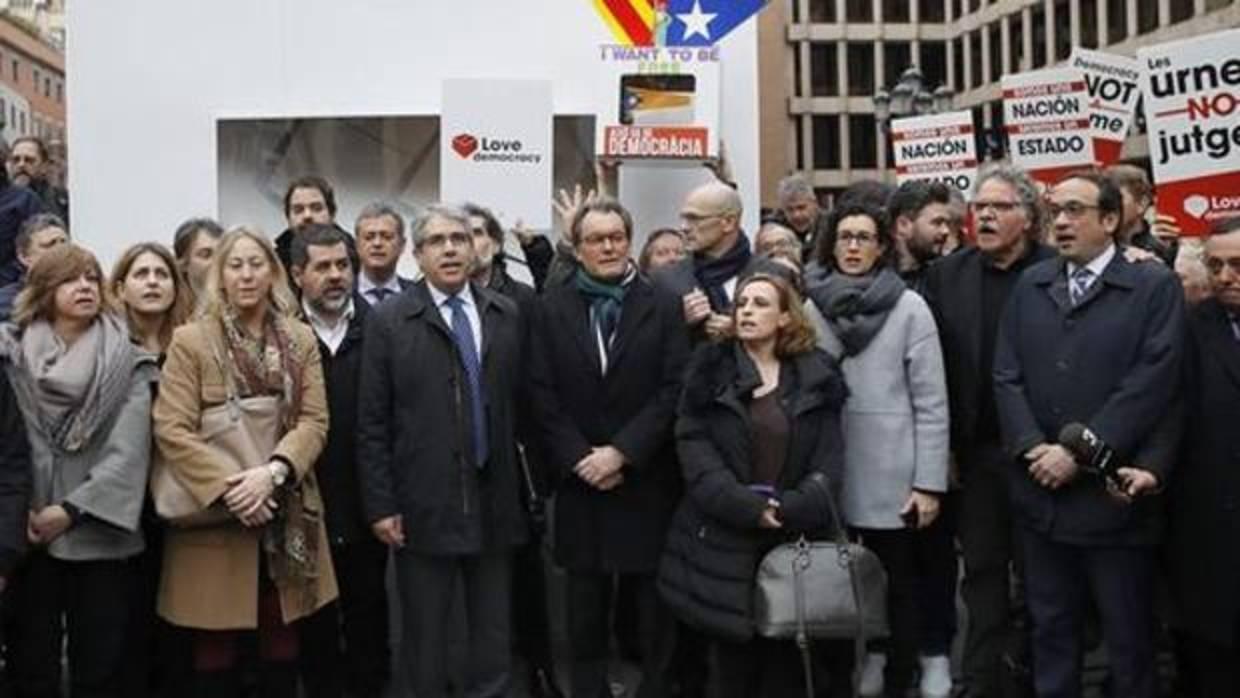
712, 274
856, 306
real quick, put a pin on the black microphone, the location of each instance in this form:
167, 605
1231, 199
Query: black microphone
1091, 452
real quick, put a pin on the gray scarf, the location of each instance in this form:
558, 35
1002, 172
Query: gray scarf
856, 307
71, 391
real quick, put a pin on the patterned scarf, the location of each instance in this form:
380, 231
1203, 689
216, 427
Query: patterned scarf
267, 365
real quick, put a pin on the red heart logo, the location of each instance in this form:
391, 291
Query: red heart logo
464, 145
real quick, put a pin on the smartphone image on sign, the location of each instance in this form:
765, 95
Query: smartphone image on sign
656, 100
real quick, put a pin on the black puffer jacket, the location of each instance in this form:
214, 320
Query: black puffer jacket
707, 571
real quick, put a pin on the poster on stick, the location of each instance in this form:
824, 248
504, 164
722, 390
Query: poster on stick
936, 148
1046, 113
495, 146
1114, 86
1191, 92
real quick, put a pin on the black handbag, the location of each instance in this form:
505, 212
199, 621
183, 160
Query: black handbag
822, 589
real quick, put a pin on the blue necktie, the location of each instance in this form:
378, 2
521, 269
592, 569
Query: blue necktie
379, 294
463, 333
1080, 283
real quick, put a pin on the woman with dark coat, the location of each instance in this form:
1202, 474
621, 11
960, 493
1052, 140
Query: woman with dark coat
758, 436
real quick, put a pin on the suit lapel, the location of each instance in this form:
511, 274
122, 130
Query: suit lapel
1220, 342
1058, 288
576, 321
971, 305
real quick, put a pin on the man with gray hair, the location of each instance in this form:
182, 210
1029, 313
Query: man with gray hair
437, 456
380, 233
967, 292
800, 211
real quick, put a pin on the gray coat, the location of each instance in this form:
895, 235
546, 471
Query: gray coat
106, 480
895, 419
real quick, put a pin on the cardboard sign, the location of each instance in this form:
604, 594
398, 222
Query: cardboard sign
1046, 113
1114, 87
937, 148
666, 102
1191, 92
495, 147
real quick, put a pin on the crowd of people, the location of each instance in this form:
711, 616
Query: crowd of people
1019, 387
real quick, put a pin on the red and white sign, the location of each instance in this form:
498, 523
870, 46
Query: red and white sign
1046, 113
1191, 90
656, 142
936, 148
1114, 87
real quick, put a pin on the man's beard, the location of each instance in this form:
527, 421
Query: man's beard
328, 306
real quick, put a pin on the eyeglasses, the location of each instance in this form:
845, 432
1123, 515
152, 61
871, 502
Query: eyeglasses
996, 206
1074, 209
616, 240
1215, 265
847, 238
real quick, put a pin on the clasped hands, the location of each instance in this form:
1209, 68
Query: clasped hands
1053, 466
601, 468
697, 310
249, 496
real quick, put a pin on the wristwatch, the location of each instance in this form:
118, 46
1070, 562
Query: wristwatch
279, 473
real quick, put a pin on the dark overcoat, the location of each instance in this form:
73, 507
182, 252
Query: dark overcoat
1204, 520
631, 406
1112, 363
414, 433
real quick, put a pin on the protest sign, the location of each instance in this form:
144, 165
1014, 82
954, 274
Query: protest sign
937, 148
1114, 87
1046, 114
495, 146
1191, 92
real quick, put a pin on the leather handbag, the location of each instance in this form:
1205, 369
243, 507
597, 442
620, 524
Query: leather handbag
822, 589
242, 433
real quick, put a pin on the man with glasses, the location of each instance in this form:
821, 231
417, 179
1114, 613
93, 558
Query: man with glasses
438, 458
1203, 568
1090, 339
967, 292
706, 281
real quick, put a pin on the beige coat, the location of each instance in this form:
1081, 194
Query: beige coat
210, 575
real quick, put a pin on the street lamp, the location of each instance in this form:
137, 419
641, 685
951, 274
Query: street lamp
910, 97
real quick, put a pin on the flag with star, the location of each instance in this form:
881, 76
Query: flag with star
705, 22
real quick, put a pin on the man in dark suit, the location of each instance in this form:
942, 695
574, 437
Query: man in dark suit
14, 493
606, 363
380, 231
1095, 340
1205, 493
967, 292
324, 275
438, 456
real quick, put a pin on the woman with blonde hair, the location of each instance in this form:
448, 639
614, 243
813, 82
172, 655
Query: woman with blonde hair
155, 297
268, 564
758, 434
83, 391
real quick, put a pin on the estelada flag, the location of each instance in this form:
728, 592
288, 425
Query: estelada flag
674, 22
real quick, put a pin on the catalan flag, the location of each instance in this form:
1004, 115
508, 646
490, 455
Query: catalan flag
674, 22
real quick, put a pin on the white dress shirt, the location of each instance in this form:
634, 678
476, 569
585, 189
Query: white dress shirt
330, 334
365, 286
470, 307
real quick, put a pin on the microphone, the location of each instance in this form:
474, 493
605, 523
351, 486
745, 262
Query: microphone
1091, 452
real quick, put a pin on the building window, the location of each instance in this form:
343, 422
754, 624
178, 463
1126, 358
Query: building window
824, 70
1063, 37
826, 136
1016, 39
1117, 21
930, 11
821, 11
1089, 23
860, 69
1181, 11
860, 11
958, 65
22, 117
897, 55
862, 141
934, 62
60, 91
975, 58
1147, 16
957, 9
17, 76
800, 141
896, 11
996, 51
1212, 5
1037, 24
